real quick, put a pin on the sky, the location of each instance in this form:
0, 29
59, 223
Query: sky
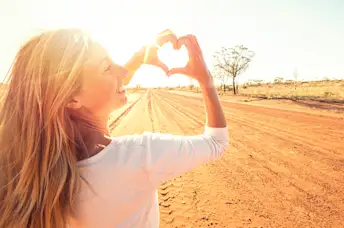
303, 36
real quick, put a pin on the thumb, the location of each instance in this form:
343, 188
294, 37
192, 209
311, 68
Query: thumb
178, 70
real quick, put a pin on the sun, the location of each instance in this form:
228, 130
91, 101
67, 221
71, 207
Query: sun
122, 47
120, 28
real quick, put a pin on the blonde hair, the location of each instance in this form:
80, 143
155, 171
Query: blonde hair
39, 140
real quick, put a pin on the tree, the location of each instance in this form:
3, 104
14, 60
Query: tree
137, 87
222, 77
232, 62
191, 85
296, 74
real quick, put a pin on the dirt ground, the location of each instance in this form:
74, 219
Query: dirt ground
309, 106
283, 168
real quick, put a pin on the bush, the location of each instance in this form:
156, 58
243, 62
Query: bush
278, 80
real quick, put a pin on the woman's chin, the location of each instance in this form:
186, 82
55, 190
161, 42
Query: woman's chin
124, 100
120, 101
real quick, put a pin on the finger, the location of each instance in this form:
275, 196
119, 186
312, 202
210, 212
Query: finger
166, 31
161, 65
195, 43
188, 43
184, 40
191, 44
178, 70
193, 39
165, 37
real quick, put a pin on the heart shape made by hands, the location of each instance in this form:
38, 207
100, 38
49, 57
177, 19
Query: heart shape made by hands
172, 57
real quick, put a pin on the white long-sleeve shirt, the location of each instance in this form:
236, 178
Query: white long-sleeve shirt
123, 178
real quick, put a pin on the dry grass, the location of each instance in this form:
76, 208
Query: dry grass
135, 90
328, 90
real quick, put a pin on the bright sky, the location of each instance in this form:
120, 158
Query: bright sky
285, 35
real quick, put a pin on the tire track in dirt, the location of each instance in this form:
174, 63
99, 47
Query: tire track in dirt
149, 107
135, 121
302, 118
191, 110
183, 194
294, 139
167, 213
175, 196
305, 179
172, 203
192, 121
212, 205
270, 125
282, 169
114, 122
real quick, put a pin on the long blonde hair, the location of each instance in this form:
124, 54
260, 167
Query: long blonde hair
39, 177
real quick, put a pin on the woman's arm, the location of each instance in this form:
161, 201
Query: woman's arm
168, 156
196, 68
134, 64
214, 113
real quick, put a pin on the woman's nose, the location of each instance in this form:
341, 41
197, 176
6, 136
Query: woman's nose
124, 75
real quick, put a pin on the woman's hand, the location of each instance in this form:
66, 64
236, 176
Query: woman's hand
196, 67
150, 57
149, 53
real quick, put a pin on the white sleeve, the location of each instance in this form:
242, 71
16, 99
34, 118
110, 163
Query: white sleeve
168, 156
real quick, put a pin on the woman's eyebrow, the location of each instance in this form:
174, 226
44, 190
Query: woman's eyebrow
105, 61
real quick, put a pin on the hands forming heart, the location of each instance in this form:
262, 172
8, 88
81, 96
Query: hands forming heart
195, 67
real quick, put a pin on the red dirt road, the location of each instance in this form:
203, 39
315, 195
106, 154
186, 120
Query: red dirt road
282, 168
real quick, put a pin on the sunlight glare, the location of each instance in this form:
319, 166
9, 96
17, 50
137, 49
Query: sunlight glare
173, 58
119, 27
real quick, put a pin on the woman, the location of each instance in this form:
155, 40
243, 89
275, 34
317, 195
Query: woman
59, 167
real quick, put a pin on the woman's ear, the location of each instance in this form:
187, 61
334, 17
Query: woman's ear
74, 104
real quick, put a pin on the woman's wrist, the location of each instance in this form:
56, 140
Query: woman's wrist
207, 82
136, 60
133, 64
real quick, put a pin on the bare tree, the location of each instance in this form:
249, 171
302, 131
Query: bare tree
191, 85
233, 61
296, 74
137, 87
221, 76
